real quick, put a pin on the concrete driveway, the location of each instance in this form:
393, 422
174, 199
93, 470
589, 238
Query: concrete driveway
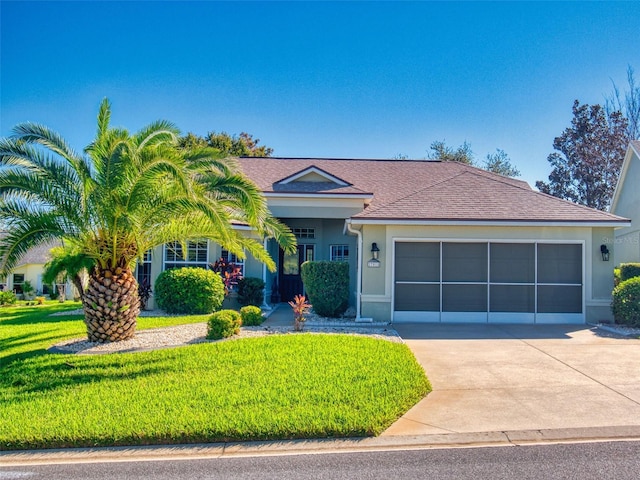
489, 378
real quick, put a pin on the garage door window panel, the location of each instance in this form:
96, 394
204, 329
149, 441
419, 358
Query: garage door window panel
417, 262
413, 297
513, 263
512, 298
464, 262
464, 298
560, 263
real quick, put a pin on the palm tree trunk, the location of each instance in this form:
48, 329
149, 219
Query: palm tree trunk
111, 305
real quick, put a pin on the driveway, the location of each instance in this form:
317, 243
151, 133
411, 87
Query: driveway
489, 378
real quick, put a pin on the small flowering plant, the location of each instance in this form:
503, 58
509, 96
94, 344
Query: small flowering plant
230, 273
300, 307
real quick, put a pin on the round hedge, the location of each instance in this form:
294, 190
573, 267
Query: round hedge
190, 291
626, 302
223, 324
251, 316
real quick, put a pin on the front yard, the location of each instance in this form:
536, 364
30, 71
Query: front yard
275, 387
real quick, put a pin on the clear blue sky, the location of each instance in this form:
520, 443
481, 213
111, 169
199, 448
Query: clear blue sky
367, 80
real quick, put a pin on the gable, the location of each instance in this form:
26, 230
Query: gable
313, 174
626, 198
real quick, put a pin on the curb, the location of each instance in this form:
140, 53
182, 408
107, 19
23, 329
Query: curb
320, 446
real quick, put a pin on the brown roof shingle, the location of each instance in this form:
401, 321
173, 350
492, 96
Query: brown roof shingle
424, 190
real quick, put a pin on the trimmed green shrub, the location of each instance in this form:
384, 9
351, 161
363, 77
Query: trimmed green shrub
223, 324
327, 286
251, 291
7, 298
251, 316
629, 270
190, 291
626, 302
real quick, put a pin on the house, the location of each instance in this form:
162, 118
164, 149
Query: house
626, 202
30, 268
429, 241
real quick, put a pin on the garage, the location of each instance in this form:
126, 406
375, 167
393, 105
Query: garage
488, 281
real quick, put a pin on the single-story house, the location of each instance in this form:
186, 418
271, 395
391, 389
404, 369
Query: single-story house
626, 203
29, 268
428, 241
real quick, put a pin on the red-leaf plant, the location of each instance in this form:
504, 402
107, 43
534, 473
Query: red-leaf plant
300, 307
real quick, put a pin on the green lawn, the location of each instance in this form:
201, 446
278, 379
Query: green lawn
275, 387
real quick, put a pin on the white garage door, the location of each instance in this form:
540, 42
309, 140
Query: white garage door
533, 282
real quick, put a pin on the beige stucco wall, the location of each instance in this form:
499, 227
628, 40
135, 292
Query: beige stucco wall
377, 284
627, 239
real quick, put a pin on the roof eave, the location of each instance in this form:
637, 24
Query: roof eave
498, 223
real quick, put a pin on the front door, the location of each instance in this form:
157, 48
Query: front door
290, 278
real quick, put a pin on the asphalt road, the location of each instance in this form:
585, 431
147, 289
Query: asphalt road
619, 460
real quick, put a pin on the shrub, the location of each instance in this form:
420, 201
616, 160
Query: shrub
327, 285
190, 291
626, 302
251, 315
40, 300
629, 270
7, 298
223, 324
251, 291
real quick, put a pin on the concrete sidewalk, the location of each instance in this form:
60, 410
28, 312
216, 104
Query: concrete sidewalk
489, 378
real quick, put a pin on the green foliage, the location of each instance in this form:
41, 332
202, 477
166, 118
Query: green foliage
327, 285
189, 291
251, 291
243, 145
7, 298
27, 287
626, 302
588, 157
67, 261
616, 276
498, 162
251, 316
444, 153
629, 270
223, 324
125, 194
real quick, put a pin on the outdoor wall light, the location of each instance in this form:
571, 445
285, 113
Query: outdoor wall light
374, 262
604, 251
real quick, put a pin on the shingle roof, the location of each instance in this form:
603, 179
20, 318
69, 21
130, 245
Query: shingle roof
38, 255
423, 190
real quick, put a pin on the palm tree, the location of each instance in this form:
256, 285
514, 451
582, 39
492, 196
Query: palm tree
68, 261
126, 194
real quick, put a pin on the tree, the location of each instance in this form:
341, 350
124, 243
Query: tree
68, 261
629, 105
243, 145
591, 151
126, 194
500, 163
444, 153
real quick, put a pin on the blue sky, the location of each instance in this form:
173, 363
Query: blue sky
313, 79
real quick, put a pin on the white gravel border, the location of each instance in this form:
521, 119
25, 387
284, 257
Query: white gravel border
193, 333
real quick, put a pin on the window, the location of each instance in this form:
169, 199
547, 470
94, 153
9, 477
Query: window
339, 253
229, 257
144, 269
197, 255
18, 282
304, 232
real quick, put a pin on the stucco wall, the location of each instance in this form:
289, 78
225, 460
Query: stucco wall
627, 239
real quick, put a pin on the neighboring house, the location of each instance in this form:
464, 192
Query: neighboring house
429, 241
626, 202
30, 268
